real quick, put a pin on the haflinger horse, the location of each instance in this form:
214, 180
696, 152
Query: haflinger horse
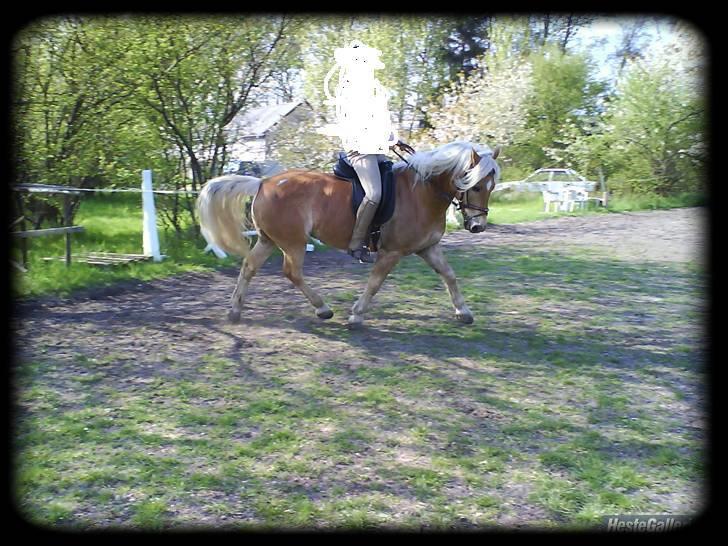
294, 205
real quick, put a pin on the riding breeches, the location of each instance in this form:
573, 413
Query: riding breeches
367, 168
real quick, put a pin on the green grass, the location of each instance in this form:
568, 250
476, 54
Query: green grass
551, 410
515, 207
149, 514
623, 203
112, 224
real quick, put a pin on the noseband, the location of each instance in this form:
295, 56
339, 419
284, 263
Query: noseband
459, 205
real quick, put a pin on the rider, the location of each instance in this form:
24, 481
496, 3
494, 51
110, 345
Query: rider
365, 129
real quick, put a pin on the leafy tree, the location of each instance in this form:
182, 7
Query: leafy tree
488, 107
651, 136
412, 53
192, 76
64, 87
658, 124
95, 95
562, 90
555, 29
467, 40
59, 104
195, 75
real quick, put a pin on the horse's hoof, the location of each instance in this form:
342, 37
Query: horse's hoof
324, 313
234, 316
355, 322
465, 318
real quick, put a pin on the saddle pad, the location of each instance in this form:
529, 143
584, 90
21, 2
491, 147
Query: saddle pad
343, 169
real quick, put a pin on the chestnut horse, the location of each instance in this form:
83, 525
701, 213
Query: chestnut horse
293, 205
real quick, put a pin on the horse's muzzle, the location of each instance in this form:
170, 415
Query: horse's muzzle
474, 227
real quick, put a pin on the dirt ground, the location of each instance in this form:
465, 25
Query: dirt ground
151, 318
165, 331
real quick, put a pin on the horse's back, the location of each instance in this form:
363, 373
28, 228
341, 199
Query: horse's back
297, 203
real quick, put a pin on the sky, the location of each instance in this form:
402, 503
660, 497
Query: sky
603, 37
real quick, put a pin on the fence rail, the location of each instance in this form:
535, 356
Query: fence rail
48, 231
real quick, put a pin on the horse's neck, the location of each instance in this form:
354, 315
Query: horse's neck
432, 195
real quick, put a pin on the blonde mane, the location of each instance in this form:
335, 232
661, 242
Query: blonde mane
454, 157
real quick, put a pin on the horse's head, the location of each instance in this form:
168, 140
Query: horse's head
473, 201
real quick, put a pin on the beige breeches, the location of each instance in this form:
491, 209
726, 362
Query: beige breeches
367, 169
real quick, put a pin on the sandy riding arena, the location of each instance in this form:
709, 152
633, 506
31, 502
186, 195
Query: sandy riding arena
578, 391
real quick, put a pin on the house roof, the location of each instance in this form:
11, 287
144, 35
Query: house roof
258, 121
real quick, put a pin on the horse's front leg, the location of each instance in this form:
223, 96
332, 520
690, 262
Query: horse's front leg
386, 260
435, 258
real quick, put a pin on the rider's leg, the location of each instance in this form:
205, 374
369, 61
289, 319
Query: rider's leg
367, 168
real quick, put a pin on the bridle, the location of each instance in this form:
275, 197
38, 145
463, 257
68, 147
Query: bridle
460, 205
454, 199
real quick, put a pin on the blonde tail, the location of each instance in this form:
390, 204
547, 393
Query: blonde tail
221, 208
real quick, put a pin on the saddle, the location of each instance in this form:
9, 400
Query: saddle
344, 170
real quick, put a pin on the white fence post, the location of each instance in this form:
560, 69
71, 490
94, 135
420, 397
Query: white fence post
150, 238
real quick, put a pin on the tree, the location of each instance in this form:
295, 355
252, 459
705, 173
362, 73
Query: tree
549, 28
631, 44
651, 136
95, 94
562, 90
193, 76
415, 71
488, 107
658, 123
198, 74
60, 103
468, 39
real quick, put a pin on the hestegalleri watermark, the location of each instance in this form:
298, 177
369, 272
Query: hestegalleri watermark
645, 523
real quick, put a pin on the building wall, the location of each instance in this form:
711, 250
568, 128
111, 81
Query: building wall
299, 115
249, 150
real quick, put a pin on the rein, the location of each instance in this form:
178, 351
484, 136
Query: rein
399, 156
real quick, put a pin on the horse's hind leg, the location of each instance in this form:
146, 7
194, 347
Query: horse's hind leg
435, 258
293, 269
257, 257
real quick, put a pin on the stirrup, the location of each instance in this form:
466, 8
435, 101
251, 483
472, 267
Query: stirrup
362, 254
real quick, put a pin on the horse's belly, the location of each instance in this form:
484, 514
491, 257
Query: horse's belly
409, 239
293, 205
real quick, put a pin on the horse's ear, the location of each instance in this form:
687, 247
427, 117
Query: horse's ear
474, 159
497, 151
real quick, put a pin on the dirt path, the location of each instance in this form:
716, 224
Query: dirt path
677, 235
397, 398
116, 319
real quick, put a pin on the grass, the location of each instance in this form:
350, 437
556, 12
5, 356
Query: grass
552, 410
548, 420
112, 224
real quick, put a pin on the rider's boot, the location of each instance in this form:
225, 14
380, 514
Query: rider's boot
364, 216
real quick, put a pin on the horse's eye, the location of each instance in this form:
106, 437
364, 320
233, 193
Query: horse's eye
476, 188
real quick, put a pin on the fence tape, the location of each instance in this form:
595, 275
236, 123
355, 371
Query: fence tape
108, 190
